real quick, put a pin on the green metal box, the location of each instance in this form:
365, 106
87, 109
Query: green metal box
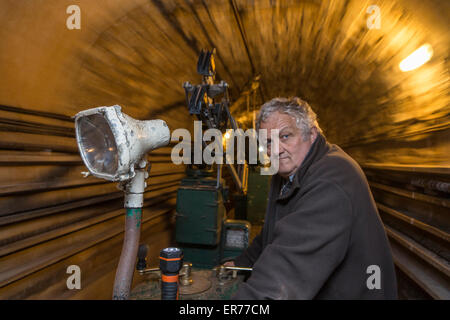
203, 257
200, 214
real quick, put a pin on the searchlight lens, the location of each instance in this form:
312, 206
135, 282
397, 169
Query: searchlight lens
97, 144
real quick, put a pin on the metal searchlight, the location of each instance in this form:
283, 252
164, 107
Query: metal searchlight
112, 143
113, 147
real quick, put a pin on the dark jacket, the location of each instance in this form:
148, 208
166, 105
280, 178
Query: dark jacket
321, 237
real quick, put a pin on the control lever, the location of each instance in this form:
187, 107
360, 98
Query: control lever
141, 265
142, 257
238, 268
222, 273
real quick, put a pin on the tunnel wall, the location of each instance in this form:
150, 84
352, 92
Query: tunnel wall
50, 216
138, 53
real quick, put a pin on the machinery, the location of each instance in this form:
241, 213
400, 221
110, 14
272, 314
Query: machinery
203, 231
218, 283
204, 234
113, 147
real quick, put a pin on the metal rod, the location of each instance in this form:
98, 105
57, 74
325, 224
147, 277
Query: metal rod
239, 268
235, 176
149, 270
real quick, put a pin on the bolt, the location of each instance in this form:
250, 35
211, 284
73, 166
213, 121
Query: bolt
142, 164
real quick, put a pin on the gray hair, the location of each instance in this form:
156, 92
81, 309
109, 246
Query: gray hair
299, 109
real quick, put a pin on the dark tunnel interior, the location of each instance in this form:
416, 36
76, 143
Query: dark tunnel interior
138, 53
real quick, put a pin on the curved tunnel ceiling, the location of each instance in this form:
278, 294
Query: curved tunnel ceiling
138, 54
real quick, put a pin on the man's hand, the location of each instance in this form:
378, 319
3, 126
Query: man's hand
229, 264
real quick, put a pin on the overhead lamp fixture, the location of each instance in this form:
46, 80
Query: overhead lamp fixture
417, 58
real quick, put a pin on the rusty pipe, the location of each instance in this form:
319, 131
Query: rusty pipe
125, 269
134, 200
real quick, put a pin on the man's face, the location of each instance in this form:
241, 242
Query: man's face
292, 149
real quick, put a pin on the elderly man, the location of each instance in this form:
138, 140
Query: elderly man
322, 237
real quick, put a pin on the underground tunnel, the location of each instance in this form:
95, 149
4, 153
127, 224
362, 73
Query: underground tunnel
375, 72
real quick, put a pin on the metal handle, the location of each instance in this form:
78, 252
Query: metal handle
149, 270
239, 268
223, 275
